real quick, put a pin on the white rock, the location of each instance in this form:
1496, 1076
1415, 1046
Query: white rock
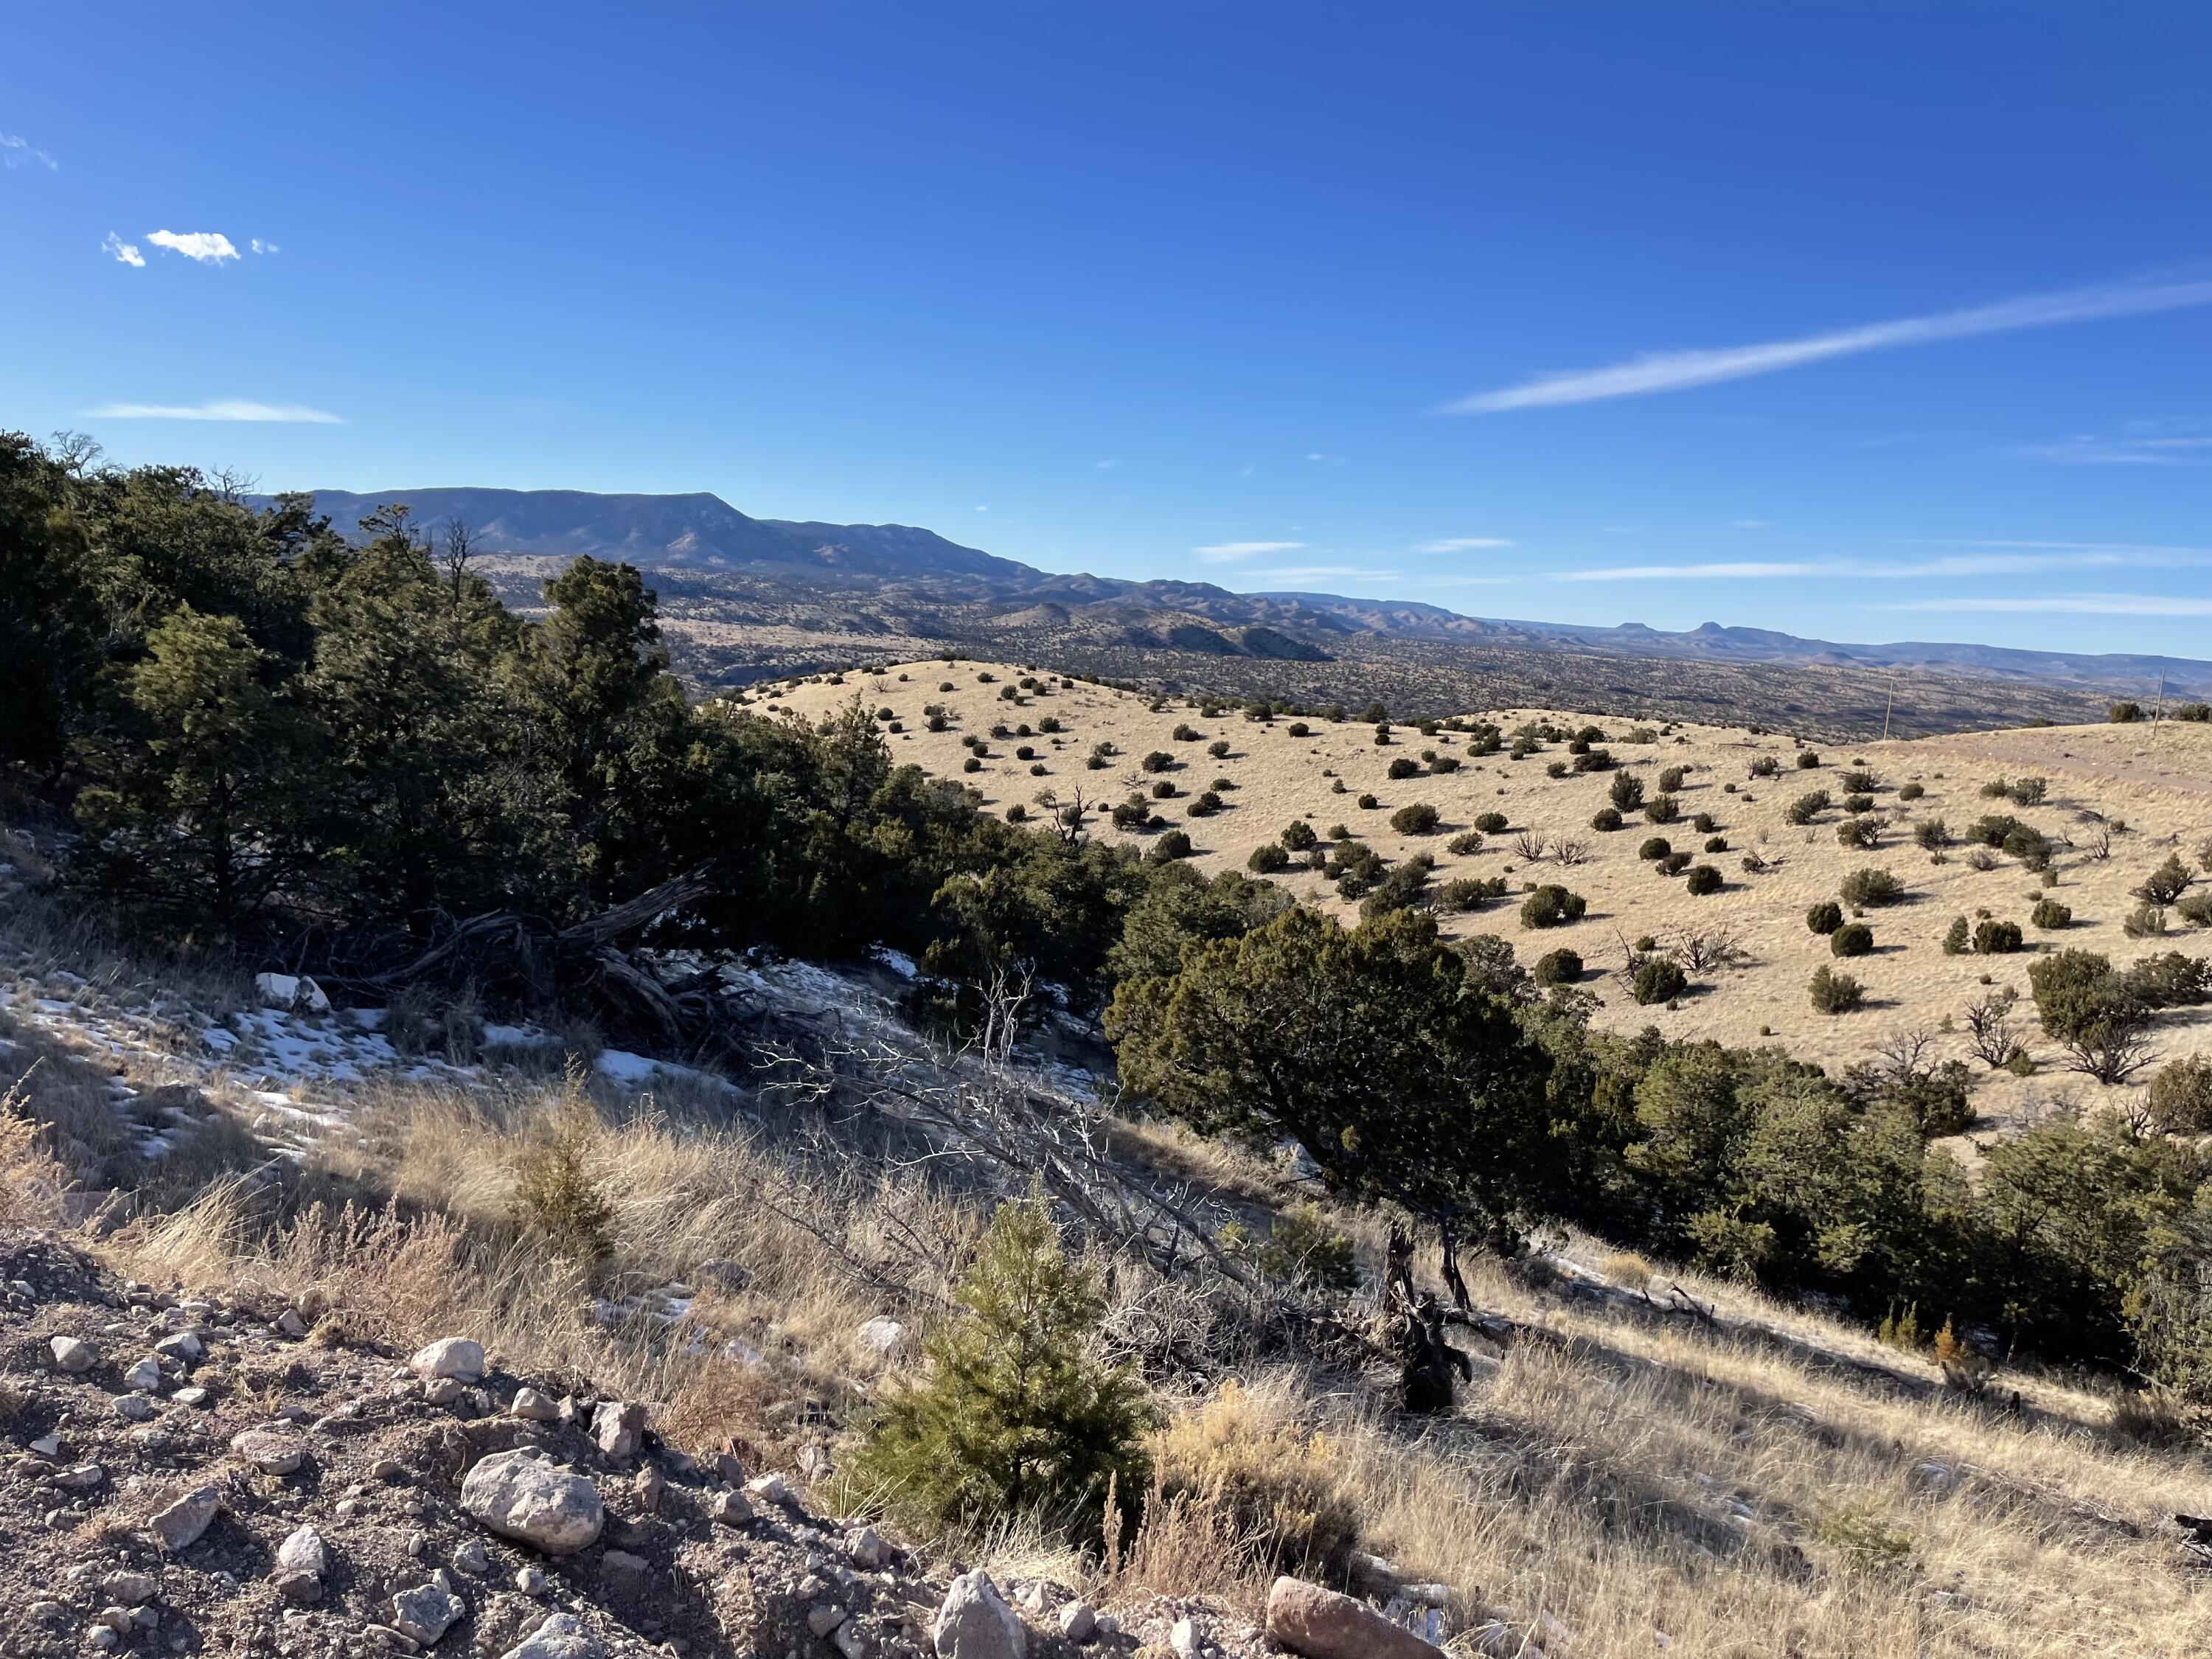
521, 1497
178, 1525
269, 1451
867, 1548
532, 1406
560, 1636
617, 1428
304, 1552
47, 1446
145, 1376
769, 1489
732, 1509
134, 1408
1184, 1641
824, 1617
73, 1355
881, 1336
471, 1557
451, 1355
291, 1324
181, 1345
130, 1587
1078, 1622
975, 1623
292, 991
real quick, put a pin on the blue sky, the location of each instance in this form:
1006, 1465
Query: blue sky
1867, 321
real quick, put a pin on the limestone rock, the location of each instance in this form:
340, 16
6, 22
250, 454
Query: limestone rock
1323, 1625
974, 1622
560, 1636
618, 1429
425, 1612
532, 1406
521, 1497
451, 1355
73, 1355
304, 1552
269, 1451
178, 1525
1078, 1621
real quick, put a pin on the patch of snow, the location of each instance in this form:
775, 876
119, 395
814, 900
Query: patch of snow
897, 960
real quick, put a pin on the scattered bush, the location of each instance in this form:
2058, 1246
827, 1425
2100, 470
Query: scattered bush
1278, 1491
1204, 806
1853, 938
2168, 883
1674, 864
1871, 887
1491, 822
1996, 938
1158, 761
1606, 818
1662, 809
2145, 920
1824, 917
1419, 818
1807, 760
1404, 767
2180, 1101
1467, 841
1268, 858
1626, 792
2050, 915
2126, 713
1657, 847
1470, 892
1174, 845
1807, 807
1185, 734
1559, 967
1861, 834
556, 1195
1297, 835
1551, 906
1717, 843
1836, 994
1910, 791
1701, 879
1657, 979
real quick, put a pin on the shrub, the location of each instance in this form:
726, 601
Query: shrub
1301, 1248
1417, 819
1674, 864
1701, 879
1670, 780
1853, 938
1261, 1482
1996, 938
2195, 910
1657, 847
1807, 760
1702, 824
2145, 922
2126, 713
1657, 979
1824, 917
1858, 803
1268, 859
2168, 883
1765, 767
1218, 749
2092, 1012
2180, 1100
1662, 809
1470, 892
1717, 843
1872, 888
1163, 790
1015, 1417
1299, 729
1957, 937
1932, 835
2050, 914
1605, 818
1864, 1541
1834, 993
1368, 803
556, 1196
1910, 791
1168, 848
1859, 781
1464, 843
1404, 767
1559, 967
1551, 906
971, 764
1158, 761
1808, 807
2196, 713
1185, 732
1204, 806
1626, 792
2169, 980
1861, 834
1491, 822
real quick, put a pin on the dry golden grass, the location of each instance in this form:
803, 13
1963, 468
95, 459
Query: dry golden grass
2161, 792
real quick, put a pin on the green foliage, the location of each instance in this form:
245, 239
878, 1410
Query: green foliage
1626, 792
1834, 993
1559, 967
2168, 883
2126, 713
555, 1197
1491, 823
1824, 917
1996, 938
1606, 818
1870, 888
2050, 915
1864, 1541
1268, 859
1662, 809
1853, 938
1957, 937
2180, 1100
1300, 1249
1657, 979
1298, 836
1700, 880
1654, 846
1015, 1418
1404, 767
2092, 1012
1551, 906
1417, 820
1465, 844
1807, 807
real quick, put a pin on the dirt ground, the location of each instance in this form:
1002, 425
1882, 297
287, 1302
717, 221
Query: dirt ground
2154, 789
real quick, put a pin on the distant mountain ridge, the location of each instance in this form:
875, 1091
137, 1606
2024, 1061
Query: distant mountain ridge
703, 533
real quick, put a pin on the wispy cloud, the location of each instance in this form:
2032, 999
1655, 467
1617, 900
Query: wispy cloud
206, 247
23, 153
1460, 544
1229, 552
260, 246
1673, 371
1320, 459
126, 252
2140, 443
2037, 558
223, 409
1691, 572
1306, 573
2102, 605
1751, 524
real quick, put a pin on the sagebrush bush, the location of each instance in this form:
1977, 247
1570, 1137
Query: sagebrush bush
1559, 967
1654, 846
1853, 938
1605, 818
1300, 1249
1268, 858
1701, 879
1870, 888
1658, 979
1419, 818
1824, 917
1551, 906
1297, 835
1014, 1418
1491, 822
1996, 938
2050, 914
1834, 993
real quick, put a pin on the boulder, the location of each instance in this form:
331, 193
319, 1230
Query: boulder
532, 1406
269, 1451
618, 1429
1323, 1625
451, 1355
178, 1524
1078, 1621
560, 1636
520, 1497
303, 1552
295, 992
975, 1623
145, 1376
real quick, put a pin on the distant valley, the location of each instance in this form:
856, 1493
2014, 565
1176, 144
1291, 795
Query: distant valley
745, 598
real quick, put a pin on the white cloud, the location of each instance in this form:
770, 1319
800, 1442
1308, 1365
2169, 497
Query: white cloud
2130, 449
1226, 552
1306, 573
23, 153
224, 410
2064, 556
1106, 466
1677, 573
127, 252
1460, 544
2102, 605
1750, 524
206, 247
260, 246
1673, 371
1320, 459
